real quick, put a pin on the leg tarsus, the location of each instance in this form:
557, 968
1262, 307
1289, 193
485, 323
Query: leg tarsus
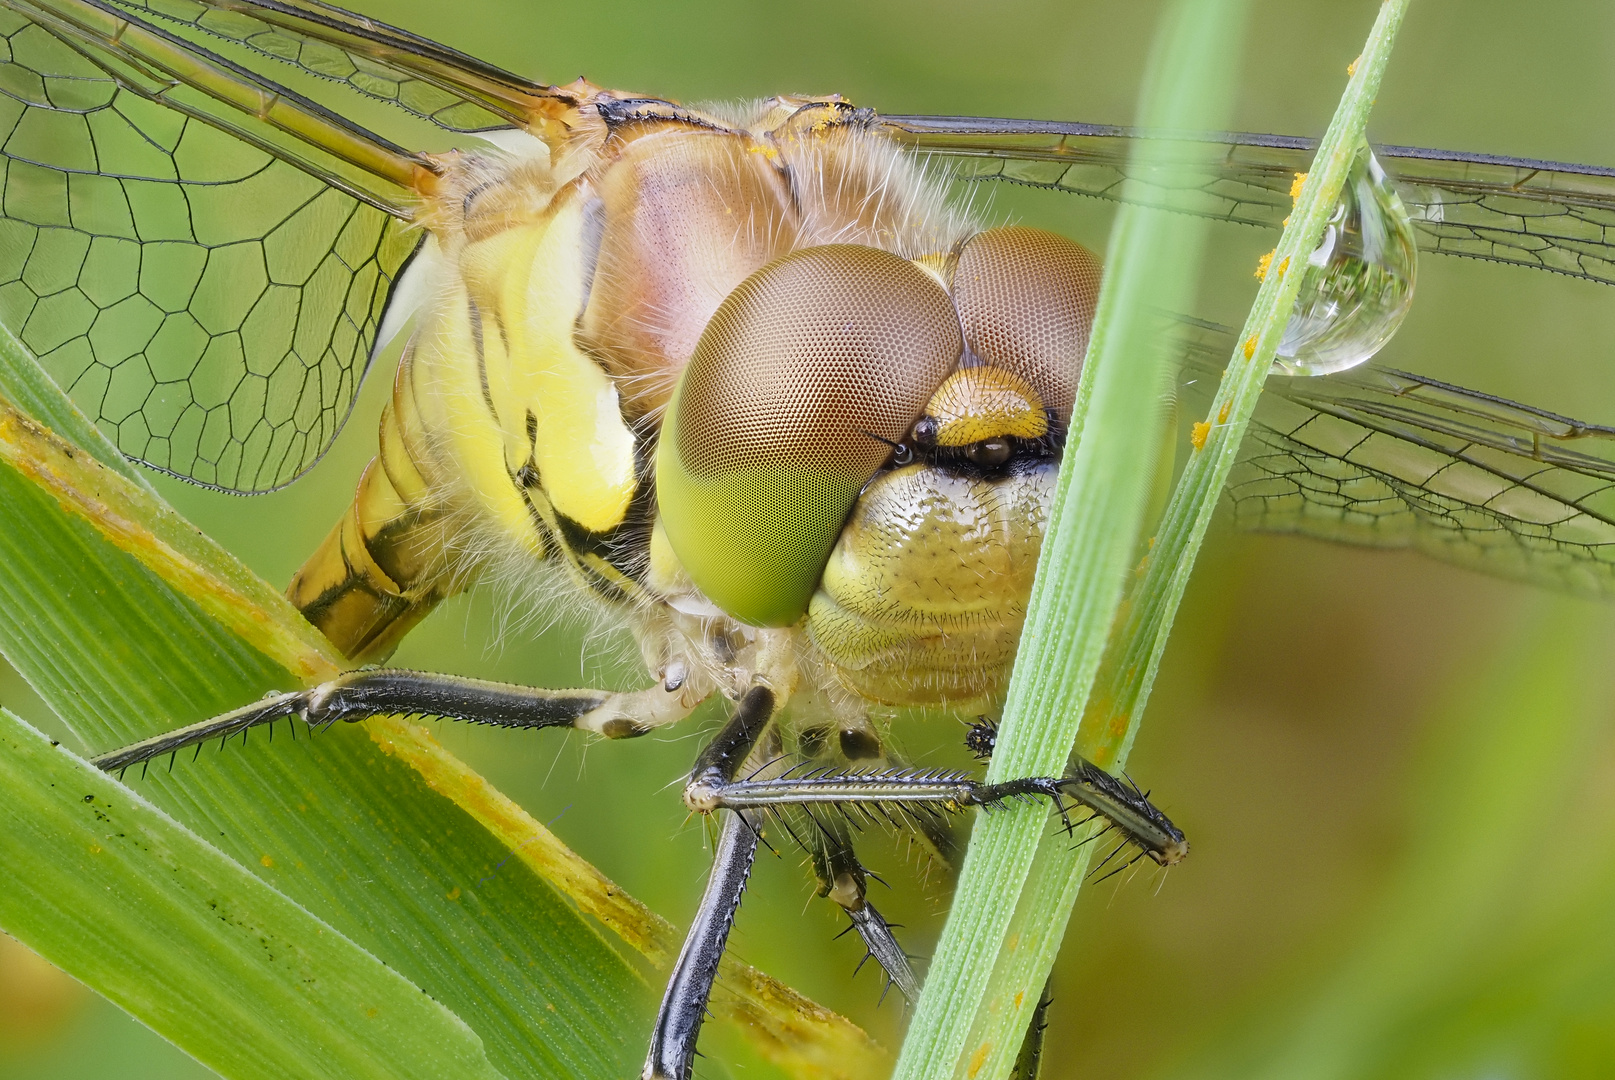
881, 943
843, 879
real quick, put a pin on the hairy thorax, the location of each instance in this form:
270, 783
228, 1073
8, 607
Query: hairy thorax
561, 299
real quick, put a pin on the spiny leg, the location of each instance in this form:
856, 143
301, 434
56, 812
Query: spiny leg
857, 743
1030, 1058
909, 793
684, 1001
358, 695
842, 878
1125, 808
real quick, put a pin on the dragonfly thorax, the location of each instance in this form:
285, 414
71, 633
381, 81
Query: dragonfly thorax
684, 360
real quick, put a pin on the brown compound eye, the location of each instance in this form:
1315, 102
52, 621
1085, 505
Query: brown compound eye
809, 373
1026, 301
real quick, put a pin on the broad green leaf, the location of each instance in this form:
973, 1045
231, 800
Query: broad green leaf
127, 621
341, 828
250, 983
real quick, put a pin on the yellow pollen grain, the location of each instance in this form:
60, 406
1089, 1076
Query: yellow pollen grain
1283, 266
1295, 186
979, 1058
1351, 68
1263, 263
267, 861
1198, 435
1222, 414
1250, 346
1020, 996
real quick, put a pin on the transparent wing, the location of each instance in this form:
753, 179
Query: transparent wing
1547, 215
448, 88
198, 255
1386, 459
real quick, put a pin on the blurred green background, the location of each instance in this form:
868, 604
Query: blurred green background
1398, 777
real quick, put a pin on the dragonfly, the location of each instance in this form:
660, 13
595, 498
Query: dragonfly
208, 259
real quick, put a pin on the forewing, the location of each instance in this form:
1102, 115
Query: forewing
1387, 459
208, 302
1547, 215
450, 89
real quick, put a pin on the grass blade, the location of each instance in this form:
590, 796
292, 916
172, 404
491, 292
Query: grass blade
990, 989
1121, 690
1092, 539
111, 888
1116, 707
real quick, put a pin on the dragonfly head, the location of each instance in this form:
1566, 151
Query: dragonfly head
844, 384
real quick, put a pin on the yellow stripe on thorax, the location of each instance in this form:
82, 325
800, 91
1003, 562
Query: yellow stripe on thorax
506, 336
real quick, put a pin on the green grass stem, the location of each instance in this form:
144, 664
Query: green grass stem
1020, 880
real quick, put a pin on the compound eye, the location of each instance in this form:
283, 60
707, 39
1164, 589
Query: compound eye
806, 374
1026, 301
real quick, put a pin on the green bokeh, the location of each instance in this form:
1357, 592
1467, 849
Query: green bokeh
1313, 711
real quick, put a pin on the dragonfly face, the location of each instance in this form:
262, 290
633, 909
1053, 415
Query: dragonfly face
744, 380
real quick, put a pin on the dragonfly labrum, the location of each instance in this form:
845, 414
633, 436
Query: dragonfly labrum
747, 381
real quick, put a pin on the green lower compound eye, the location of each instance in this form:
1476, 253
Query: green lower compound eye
780, 417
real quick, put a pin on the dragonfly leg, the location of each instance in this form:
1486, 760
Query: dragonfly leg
358, 695
684, 1002
1030, 1059
842, 878
911, 794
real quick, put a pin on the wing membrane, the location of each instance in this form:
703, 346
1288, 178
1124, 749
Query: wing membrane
1542, 214
458, 93
1383, 458
204, 277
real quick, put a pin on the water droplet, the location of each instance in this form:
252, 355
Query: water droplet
1359, 281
